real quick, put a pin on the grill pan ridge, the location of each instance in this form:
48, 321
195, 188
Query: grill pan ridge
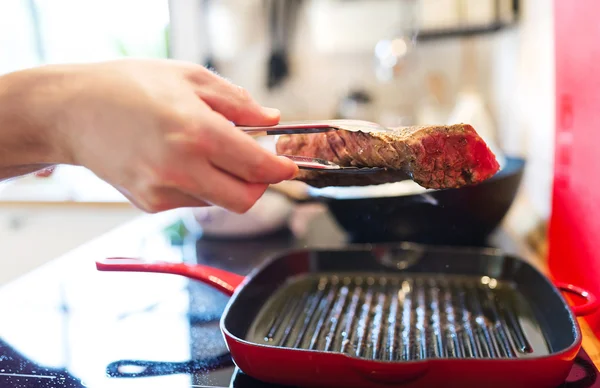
400, 317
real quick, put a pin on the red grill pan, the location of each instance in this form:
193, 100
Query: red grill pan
393, 315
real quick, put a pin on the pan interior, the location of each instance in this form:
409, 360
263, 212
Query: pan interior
401, 317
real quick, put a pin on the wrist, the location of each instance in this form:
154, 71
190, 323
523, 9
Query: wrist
29, 134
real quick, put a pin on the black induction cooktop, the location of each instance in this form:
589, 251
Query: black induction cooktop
70, 326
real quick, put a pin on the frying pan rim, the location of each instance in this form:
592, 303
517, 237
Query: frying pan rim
570, 350
518, 169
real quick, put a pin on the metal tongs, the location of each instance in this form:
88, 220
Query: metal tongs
320, 126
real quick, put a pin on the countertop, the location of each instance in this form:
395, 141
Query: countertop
66, 186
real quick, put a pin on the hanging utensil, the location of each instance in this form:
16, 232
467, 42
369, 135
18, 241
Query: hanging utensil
281, 20
209, 60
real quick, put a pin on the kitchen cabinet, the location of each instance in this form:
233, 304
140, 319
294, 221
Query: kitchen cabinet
30, 235
41, 218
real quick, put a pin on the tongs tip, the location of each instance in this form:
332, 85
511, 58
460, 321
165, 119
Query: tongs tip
316, 164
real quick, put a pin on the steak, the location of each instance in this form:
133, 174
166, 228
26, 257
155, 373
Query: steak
435, 157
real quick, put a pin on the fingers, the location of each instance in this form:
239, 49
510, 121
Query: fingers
221, 189
233, 101
165, 198
206, 186
239, 154
236, 152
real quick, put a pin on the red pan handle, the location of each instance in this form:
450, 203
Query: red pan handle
224, 281
591, 302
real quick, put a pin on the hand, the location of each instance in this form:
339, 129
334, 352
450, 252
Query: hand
160, 132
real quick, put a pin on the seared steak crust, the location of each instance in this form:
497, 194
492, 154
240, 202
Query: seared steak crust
436, 157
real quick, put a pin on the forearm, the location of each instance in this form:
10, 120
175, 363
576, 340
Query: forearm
28, 138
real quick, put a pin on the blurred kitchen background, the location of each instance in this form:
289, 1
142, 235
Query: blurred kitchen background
396, 62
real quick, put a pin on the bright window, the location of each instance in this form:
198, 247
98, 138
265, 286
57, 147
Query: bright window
34, 32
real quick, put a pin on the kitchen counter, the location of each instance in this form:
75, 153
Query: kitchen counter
67, 316
66, 186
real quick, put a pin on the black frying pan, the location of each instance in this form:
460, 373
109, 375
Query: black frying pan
464, 216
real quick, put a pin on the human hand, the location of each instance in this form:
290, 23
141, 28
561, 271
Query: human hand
160, 132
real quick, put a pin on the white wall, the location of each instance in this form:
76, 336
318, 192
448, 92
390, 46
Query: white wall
536, 98
321, 73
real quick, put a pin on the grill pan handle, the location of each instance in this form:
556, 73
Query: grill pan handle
224, 281
591, 302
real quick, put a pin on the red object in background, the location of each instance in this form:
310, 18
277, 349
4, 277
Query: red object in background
574, 237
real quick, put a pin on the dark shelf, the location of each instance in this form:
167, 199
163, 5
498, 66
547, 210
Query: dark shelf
470, 31
430, 35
